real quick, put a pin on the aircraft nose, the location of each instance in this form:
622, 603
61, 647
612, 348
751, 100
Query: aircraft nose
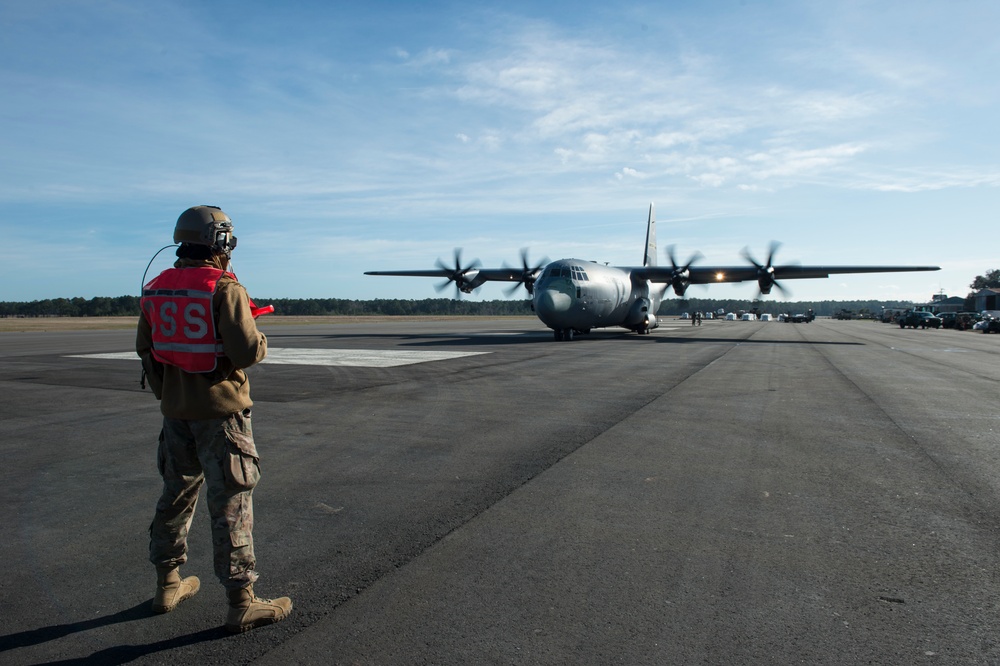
554, 302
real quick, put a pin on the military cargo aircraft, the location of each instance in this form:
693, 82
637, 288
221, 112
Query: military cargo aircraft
573, 296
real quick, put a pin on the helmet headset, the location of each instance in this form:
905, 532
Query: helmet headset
208, 226
202, 225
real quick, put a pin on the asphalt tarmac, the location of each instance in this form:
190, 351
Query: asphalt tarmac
739, 492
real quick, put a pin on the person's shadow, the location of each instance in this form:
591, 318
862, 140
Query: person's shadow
118, 654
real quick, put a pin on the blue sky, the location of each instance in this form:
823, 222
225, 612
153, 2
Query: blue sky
343, 137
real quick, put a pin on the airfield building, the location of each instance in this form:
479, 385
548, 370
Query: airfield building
988, 300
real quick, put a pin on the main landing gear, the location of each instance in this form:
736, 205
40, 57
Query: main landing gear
566, 334
563, 334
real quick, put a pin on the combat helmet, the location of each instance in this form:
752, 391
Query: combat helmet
208, 226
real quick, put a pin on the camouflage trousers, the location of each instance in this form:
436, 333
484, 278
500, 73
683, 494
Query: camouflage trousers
219, 453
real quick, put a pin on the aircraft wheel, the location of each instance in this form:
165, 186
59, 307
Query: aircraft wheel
568, 335
558, 334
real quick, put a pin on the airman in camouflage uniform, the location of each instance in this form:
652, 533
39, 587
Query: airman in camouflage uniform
195, 338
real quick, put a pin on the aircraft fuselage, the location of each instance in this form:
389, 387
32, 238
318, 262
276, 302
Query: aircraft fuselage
572, 295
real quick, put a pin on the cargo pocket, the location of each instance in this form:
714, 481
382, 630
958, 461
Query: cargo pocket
241, 468
240, 538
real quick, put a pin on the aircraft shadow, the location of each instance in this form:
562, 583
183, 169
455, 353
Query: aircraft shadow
118, 654
738, 341
434, 339
501, 337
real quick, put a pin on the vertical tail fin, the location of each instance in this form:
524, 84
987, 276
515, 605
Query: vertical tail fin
650, 258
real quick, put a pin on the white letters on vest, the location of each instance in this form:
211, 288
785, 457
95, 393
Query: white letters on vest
178, 306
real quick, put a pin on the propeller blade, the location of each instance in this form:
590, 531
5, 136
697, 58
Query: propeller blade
749, 257
527, 279
457, 274
771, 250
680, 282
765, 272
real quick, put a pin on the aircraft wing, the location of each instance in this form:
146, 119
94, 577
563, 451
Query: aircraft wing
710, 274
465, 280
765, 276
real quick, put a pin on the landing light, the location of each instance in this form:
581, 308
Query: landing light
719, 277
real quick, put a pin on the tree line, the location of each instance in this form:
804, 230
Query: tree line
128, 306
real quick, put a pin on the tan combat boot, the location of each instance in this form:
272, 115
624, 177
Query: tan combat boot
247, 611
171, 589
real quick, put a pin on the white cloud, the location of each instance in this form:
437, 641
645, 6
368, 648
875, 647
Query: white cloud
927, 180
431, 57
709, 179
629, 172
524, 120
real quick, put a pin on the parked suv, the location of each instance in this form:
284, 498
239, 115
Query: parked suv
920, 320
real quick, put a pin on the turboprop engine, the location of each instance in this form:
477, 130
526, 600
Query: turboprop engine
640, 318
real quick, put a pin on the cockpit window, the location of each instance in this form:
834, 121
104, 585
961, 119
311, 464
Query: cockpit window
573, 272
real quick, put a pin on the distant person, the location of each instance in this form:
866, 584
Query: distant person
195, 336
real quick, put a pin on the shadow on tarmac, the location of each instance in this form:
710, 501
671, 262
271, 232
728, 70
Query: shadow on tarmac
118, 654
492, 338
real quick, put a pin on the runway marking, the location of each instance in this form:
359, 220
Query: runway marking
354, 358
360, 358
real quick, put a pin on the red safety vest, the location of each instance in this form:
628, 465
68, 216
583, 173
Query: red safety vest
177, 303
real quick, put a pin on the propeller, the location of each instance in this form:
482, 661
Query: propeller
765, 272
528, 274
681, 278
457, 274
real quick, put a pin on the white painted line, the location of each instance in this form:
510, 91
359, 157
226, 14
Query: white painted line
360, 358
354, 358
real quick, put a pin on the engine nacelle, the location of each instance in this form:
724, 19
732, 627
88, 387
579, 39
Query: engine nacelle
639, 316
